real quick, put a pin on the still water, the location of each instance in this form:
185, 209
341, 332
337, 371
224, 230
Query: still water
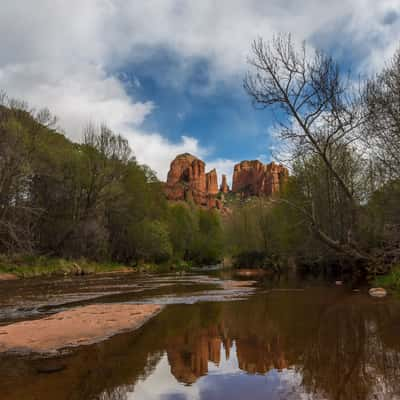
308, 341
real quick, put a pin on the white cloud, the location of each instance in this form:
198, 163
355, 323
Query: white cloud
57, 54
155, 148
161, 383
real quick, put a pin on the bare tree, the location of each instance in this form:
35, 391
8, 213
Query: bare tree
382, 97
319, 111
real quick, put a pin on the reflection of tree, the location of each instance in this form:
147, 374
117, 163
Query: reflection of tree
346, 348
348, 358
119, 393
258, 357
343, 345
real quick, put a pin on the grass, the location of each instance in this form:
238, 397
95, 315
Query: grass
29, 266
391, 280
32, 266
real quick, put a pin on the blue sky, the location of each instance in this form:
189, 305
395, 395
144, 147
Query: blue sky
221, 117
167, 74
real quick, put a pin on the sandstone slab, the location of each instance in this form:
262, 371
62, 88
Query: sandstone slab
79, 326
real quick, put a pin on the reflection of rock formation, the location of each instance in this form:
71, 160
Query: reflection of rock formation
258, 357
189, 355
253, 178
342, 347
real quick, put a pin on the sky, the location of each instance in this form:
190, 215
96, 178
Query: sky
168, 74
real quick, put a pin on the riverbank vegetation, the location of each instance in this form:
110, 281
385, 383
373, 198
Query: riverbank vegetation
341, 138
92, 200
340, 206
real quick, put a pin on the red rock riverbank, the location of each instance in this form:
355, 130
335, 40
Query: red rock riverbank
79, 326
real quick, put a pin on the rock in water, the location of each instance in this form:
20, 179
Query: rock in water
377, 292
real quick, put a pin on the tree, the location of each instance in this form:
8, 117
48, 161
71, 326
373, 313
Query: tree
182, 225
153, 243
382, 98
319, 114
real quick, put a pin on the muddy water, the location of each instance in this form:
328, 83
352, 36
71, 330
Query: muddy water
296, 340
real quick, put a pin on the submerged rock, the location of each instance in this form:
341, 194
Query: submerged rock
377, 292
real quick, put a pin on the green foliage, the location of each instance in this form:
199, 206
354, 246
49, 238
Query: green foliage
381, 214
182, 227
30, 266
391, 280
261, 230
208, 241
153, 243
196, 234
91, 200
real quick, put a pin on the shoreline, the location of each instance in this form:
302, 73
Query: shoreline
41, 266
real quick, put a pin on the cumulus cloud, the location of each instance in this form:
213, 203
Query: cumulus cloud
59, 54
157, 152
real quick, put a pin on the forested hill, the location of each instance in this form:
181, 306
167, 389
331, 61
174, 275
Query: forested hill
92, 200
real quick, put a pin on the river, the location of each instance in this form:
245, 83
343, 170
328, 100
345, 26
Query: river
297, 338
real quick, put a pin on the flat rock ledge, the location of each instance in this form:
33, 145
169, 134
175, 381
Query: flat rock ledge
230, 284
76, 327
8, 277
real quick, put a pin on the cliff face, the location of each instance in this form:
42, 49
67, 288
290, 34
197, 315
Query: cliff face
187, 180
224, 185
253, 178
212, 182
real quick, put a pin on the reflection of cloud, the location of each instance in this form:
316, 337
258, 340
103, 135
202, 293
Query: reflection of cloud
162, 384
224, 380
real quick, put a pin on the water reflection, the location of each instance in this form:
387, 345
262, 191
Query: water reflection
312, 344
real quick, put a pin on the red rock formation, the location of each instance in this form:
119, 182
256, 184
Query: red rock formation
276, 175
212, 182
187, 180
224, 185
253, 178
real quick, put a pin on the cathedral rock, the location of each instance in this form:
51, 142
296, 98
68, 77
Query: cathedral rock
187, 180
253, 178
